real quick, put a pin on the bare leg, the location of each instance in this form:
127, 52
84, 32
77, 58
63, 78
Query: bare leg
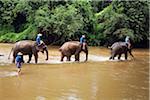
19, 71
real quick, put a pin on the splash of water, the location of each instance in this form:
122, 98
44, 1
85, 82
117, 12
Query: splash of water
40, 98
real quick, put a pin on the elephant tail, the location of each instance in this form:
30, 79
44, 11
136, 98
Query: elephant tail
10, 53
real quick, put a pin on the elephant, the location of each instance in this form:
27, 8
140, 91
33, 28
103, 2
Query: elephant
73, 48
119, 48
28, 47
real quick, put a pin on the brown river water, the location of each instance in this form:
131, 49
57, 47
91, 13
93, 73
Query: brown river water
96, 79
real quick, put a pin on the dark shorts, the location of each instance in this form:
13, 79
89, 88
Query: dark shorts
18, 65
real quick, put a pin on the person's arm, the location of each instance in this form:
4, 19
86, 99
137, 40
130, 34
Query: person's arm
81, 40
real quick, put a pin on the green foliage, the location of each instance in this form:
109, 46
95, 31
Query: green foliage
124, 18
29, 33
137, 17
65, 22
103, 22
42, 17
6, 11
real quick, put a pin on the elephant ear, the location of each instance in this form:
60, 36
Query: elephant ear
41, 46
84, 46
78, 50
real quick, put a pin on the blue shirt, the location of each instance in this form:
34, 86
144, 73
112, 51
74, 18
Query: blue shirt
38, 39
82, 40
19, 58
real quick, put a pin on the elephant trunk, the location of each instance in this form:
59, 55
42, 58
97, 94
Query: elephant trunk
86, 55
130, 52
85, 49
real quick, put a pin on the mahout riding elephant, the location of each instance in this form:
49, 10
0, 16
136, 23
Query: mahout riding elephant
28, 47
119, 48
73, 48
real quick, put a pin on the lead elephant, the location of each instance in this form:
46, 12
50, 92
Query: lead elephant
119, 48
30, 48
73, 48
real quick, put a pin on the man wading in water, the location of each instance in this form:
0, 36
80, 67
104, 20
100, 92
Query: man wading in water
19, 61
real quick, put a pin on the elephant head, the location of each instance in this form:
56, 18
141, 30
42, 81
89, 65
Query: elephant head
42, 47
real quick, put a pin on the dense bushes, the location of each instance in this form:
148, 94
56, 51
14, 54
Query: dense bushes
103, 22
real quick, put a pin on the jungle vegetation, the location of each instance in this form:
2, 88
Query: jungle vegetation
102, 21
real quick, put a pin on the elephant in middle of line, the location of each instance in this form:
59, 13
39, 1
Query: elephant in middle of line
73, 48
119, 48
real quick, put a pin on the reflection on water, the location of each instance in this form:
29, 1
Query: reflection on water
7, 74
97, 79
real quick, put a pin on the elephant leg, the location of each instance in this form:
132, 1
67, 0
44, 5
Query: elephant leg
119, 56
126, 55
30, 56
77, 57
113, 56
110, 58
62, 57
68, 58
36, 57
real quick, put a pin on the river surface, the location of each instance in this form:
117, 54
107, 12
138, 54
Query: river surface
96, 79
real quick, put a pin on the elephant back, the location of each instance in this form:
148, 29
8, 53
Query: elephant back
25, 43
116, 44
25, 46
68, 45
